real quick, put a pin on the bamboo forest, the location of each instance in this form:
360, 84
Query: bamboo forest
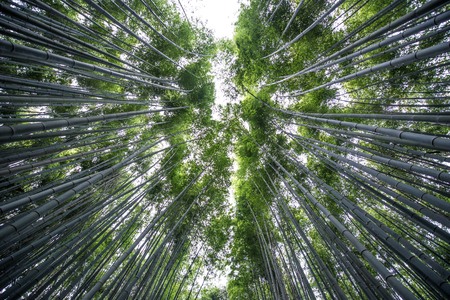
324, 174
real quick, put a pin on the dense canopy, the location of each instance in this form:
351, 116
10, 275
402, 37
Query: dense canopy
326, 176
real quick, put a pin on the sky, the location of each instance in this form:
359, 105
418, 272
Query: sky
219, 16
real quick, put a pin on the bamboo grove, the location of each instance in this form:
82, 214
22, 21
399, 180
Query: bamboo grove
107, 183
343, 180
115, 176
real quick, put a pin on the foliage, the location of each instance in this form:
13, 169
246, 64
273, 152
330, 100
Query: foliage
117, 182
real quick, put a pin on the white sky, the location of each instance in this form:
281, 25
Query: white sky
218, 15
